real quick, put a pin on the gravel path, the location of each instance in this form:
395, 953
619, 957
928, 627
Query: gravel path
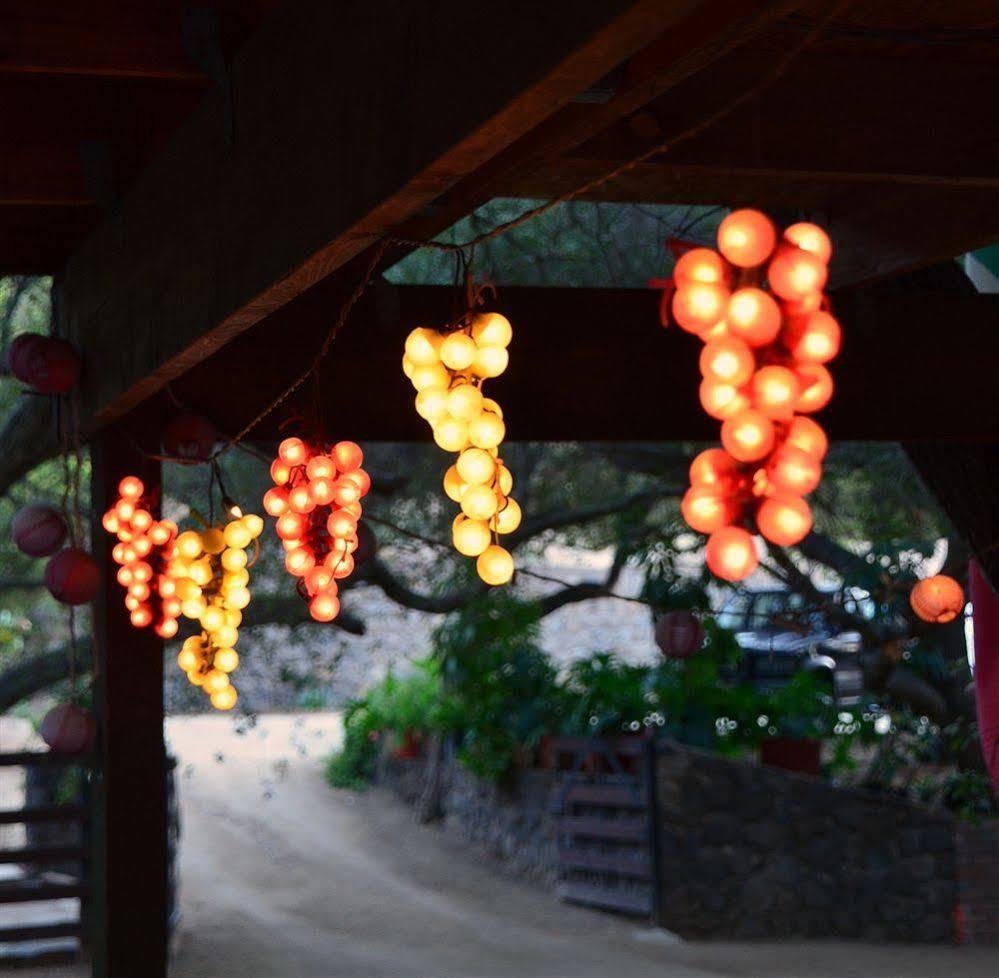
285, 878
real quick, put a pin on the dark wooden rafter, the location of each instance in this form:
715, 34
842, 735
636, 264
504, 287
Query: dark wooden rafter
183, 268
594, 364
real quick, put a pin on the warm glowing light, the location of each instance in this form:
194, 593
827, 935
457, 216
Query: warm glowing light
813, 339
808, 436
793, 470
810, 238
495, 565
492, 329
464, 402
784, 519
748, 436
700, 265
131, 488
471, 537
794, 274
292, 451
451, 434
937, 599
697, 306
731, 553
706, 510
476, 466
422, 346
479, 503
320, 467
775, 392
224, 699
816, 388
721, 400
754, 316
509, 516
728, 361
714, 468
746, 238
486, 431
458, 351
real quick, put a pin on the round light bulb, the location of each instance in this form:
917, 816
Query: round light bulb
509, 517
486, 431
492, 329
458, 351
479, 503
471, 537
422, 346
495, 565
476, 466
451, 434
464, 402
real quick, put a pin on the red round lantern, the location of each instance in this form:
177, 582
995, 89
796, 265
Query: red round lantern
38, 531
72, 576
189, 438
69, 729
47, 363
21, 352
938, 599
678, 634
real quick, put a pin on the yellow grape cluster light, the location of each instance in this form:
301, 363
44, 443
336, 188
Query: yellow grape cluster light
211, 580
448, 369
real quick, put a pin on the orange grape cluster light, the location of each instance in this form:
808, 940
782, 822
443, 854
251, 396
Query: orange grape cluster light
211, 580
447, 369
758, 305
143, 542
316, 501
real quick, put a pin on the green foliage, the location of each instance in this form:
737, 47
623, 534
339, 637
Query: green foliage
353, 766
605, 696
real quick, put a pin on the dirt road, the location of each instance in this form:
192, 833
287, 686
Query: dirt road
285, 878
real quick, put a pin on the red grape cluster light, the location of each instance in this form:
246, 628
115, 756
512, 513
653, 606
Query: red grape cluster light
316, 501
141, 551
758, 305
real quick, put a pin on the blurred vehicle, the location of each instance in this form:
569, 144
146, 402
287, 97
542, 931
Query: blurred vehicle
781, 634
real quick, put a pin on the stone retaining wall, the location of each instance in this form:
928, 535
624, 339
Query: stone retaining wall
753, 852
510, 822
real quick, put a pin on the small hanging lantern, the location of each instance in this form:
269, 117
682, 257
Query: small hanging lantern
68, 729
46, 363
38, 531
938, 599
72, 576
678, 634
189, 438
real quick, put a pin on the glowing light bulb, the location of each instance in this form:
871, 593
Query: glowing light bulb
320, 467
479, 503
721, 400
492, 329
299, 562
431, 404
454, 484
505, 480
700, 265
793, 470
697, 306
226, 660
731, 553
189, 545
348, 456
254, 524
476, 466
811, 238
486, 431
813, 339
224, 699
342, 565
464, 402
458, 351
320, 578
187, 659
301, 500
293, 452
471, 537
430, 376
422, 347
509, 517
142, 616
280, 472
754, 316
746, 238
490, 361
794, 274
714, 468
234, 560
748, 435
325, 606
238, 598
807, 435
706, 510
729, 361
775, 392
495, 565
816, 388
784, 520
451, 434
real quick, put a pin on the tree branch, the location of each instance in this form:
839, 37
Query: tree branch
29, 438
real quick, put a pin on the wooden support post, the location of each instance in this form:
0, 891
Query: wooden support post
129, 910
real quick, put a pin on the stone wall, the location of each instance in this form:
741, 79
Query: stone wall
978, 872
754, 852
509, 821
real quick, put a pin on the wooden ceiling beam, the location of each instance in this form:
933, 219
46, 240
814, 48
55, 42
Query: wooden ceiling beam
347, 121
594, 364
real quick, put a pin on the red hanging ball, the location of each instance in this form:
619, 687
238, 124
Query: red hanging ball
21, 352
189, 438
678, 634
38, 531
72, 576
69, 729
47, 363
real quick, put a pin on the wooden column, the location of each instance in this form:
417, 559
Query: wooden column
129, 907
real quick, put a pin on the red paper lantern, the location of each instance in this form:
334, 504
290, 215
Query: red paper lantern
678, 634
68, 729
38, 531
48, 364
189, 438
72, 576
938, 599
